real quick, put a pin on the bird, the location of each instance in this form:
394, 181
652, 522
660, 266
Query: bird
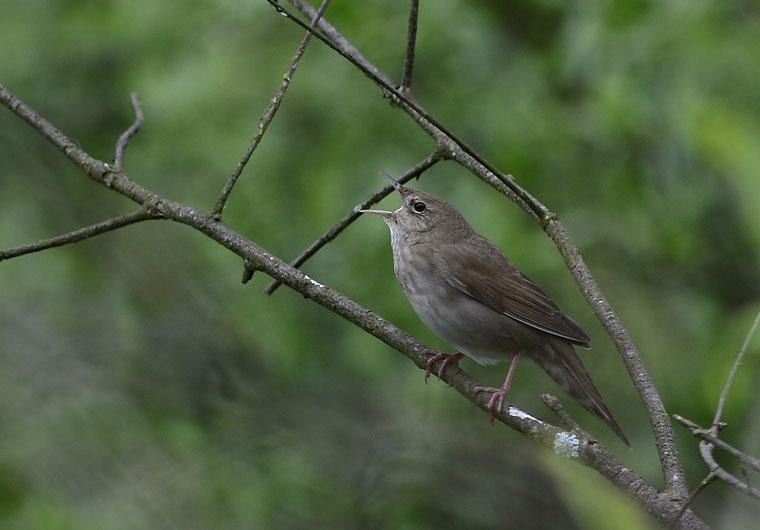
470, 294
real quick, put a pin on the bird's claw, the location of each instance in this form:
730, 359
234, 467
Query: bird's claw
496, 402
447, 358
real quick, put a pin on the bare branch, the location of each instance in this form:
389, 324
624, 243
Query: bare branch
78, 235
267, 117
702, 485
555, 405
354, 214
708, 436
732, 374
411, 37
663, 506
710, 439
351, 54
248, 270
658, 416
706, 450
126, 136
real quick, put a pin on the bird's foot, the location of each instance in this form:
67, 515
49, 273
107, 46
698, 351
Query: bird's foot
447, 358
498, 394
496, 403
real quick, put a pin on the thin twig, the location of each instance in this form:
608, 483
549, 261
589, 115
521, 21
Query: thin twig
354, 214
702, 485
555, 405
126, 136
411, 37
667, 449
80, 234
710, 439
732, 374
708, 436
266, 118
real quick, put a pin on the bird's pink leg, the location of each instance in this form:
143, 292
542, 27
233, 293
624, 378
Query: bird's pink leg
447, 358
497, 398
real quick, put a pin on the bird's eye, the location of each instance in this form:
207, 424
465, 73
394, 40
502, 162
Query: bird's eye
419, 206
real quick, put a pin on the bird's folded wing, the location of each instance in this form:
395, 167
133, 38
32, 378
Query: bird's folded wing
483, 272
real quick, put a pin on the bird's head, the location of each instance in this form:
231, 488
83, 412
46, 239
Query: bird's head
423, 217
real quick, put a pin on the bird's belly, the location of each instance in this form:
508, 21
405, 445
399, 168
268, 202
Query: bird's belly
472, 328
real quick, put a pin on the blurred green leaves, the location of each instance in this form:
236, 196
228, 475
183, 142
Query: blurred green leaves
140, 381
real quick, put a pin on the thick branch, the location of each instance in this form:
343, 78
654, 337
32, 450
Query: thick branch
354, 214
591, 454
126, 136
411, 37
267, 117
467, 157
702, 485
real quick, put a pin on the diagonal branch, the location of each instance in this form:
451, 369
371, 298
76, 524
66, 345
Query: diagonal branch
411, 37
593, 455
143, 214
702, 485
555, 405
706, 450
267, 117
670, 460
343, 48
126, 136
354, 214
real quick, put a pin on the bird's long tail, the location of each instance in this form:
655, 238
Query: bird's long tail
560, 361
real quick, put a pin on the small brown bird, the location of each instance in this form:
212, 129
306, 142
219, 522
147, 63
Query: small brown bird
467, 291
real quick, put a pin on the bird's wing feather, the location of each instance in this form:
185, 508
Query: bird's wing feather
482, 272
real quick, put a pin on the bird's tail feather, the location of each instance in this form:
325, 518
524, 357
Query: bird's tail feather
563, 365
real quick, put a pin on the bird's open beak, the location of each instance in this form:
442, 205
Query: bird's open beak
382, 213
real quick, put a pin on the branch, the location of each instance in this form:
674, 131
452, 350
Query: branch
670, 461
354, 214
732, 374
702, 485
706, 450
78, 235
442, 134
708, 436
126, 136
411, 37
555, 405
569, 445
267, 117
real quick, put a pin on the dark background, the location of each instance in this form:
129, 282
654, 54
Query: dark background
141, 386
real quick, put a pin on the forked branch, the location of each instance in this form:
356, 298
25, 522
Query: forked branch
709, 438
266, 118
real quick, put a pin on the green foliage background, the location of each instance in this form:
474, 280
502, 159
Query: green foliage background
141, 386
